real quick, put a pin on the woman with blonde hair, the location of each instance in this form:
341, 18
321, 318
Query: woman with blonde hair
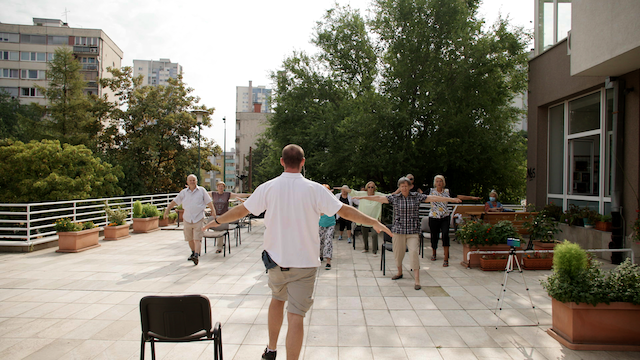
440, 218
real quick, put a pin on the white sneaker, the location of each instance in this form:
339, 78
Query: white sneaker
349, 240
365, 251
340, 237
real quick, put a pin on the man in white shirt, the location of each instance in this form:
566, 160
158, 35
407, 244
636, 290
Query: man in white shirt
194, 199
291, 239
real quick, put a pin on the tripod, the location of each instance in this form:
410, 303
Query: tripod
508, 269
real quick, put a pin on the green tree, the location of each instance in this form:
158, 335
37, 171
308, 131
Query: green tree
428, 93
17, 121
153, 135
74, 117
49, 171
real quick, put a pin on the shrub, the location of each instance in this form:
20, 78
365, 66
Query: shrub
88, 225
552, 210
116, 216
173, 216
66, 225
542, 227
149, 210
479, 233
137, 209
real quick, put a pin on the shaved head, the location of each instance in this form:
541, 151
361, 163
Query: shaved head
292, 155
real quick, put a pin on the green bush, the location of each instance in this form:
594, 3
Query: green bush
116, 216
137, 209
149, 210
66, 225
173, 216
542, 227
88, 225
479, 233
569, 259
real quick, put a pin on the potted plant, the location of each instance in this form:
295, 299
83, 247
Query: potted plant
117, 227
478, 235
180, 211
145, 218
591, 309
573, 216
541, 231
604, 223
76, 237
552, 210
170, 219
589, 217
537, 261
635, 227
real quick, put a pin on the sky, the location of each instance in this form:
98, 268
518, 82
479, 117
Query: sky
220, 44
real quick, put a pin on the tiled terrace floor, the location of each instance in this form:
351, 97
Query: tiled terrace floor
85, 305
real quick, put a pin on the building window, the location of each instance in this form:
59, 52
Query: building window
33, 74
58, 40
8, 37
33, 39
579, 137
30, 92
33, 56
12, 91
9, 55
553, 18
86, 41
9, 73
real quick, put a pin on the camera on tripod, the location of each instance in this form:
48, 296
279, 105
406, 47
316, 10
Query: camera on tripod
513, 243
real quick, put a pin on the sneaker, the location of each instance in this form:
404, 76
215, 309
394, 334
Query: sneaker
191, 257
328, 267
349, 241
195, 259
365, 251
340, 237
269, 355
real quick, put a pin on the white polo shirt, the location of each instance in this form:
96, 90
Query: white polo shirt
293, 206
193, 202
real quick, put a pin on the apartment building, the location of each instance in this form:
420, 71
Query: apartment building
156, 72
25, 51
583, 113
252, 115
228, 171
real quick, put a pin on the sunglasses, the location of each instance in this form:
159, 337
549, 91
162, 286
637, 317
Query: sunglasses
371, 187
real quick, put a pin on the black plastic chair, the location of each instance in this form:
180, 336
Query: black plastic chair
216, 233
387, 245
178, 319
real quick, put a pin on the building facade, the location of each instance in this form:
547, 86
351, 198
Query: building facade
584, 112
156, 72
25, 51
253, 99
228, 171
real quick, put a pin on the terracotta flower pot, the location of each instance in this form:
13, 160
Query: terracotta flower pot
180, 212
537, 264
76, 241
603, 327
493, 264
117, 232
474, 261
163, 222
145, 225
603, 226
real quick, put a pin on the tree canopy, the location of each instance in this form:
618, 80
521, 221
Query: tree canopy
419, 88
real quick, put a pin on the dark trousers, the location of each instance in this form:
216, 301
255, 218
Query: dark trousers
438, 226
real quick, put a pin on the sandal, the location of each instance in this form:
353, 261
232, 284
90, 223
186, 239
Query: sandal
397, 277
433, 258
445, 263
417, 287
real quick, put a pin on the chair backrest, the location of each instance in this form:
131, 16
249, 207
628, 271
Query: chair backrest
424, 225
175, 317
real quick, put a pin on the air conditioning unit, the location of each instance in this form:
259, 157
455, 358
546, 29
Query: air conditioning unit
93, 50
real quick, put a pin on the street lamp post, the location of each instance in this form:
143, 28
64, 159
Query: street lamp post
224, 152
199, 114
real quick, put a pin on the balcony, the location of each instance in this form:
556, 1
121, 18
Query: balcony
85, 50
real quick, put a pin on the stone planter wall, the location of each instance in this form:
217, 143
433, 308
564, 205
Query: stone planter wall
587, 238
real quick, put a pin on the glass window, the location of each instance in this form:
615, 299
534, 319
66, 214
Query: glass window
50, 56
8, 37
58, 40
584, 114
585, 165
608, 155
41, 56
593, 205
564, 18
12, 91
9, 55
9, 73
556, 149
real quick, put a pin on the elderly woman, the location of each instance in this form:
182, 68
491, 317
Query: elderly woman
373, 209
221, 204
406, 224
346, 199
493, 205
439, 217
327, 226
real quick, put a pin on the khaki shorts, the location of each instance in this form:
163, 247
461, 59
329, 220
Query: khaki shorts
193, 231
295, 286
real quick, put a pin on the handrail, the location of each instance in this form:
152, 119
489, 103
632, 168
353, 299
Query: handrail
28, 223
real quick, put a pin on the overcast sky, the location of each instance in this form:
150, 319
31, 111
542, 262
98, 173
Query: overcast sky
220, 44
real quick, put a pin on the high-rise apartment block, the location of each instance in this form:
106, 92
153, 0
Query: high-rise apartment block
26, 49
251, 99
156, 72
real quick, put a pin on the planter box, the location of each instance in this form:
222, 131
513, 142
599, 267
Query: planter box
180, 212
603, 327
475, 258
145, 225
603, 226
537, 264
493, 264
163, 222
76, 241
117, 232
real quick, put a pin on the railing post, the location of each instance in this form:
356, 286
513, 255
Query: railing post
74, 211
28, 224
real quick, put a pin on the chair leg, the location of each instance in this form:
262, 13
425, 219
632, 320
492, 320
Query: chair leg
383, 262
153, 350
228, 238
142, 348
204, 239
239, 230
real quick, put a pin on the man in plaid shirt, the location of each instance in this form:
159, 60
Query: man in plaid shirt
406, 223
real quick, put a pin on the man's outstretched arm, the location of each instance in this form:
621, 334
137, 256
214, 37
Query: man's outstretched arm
351, 213
236, 213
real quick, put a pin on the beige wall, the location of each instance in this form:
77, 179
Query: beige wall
249, 126
605, 39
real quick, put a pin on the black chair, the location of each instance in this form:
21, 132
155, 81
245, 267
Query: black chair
178, 319
215, 233
425, 233
387, 245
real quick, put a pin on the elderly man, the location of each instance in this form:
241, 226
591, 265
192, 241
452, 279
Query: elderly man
194, 199
291, 242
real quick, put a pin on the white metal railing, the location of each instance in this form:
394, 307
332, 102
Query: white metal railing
27, 224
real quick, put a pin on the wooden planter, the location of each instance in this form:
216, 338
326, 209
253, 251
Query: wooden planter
76, 241
537, 264
117, 232
475, 258
493, 264
145, 225
603, 327
603, 226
